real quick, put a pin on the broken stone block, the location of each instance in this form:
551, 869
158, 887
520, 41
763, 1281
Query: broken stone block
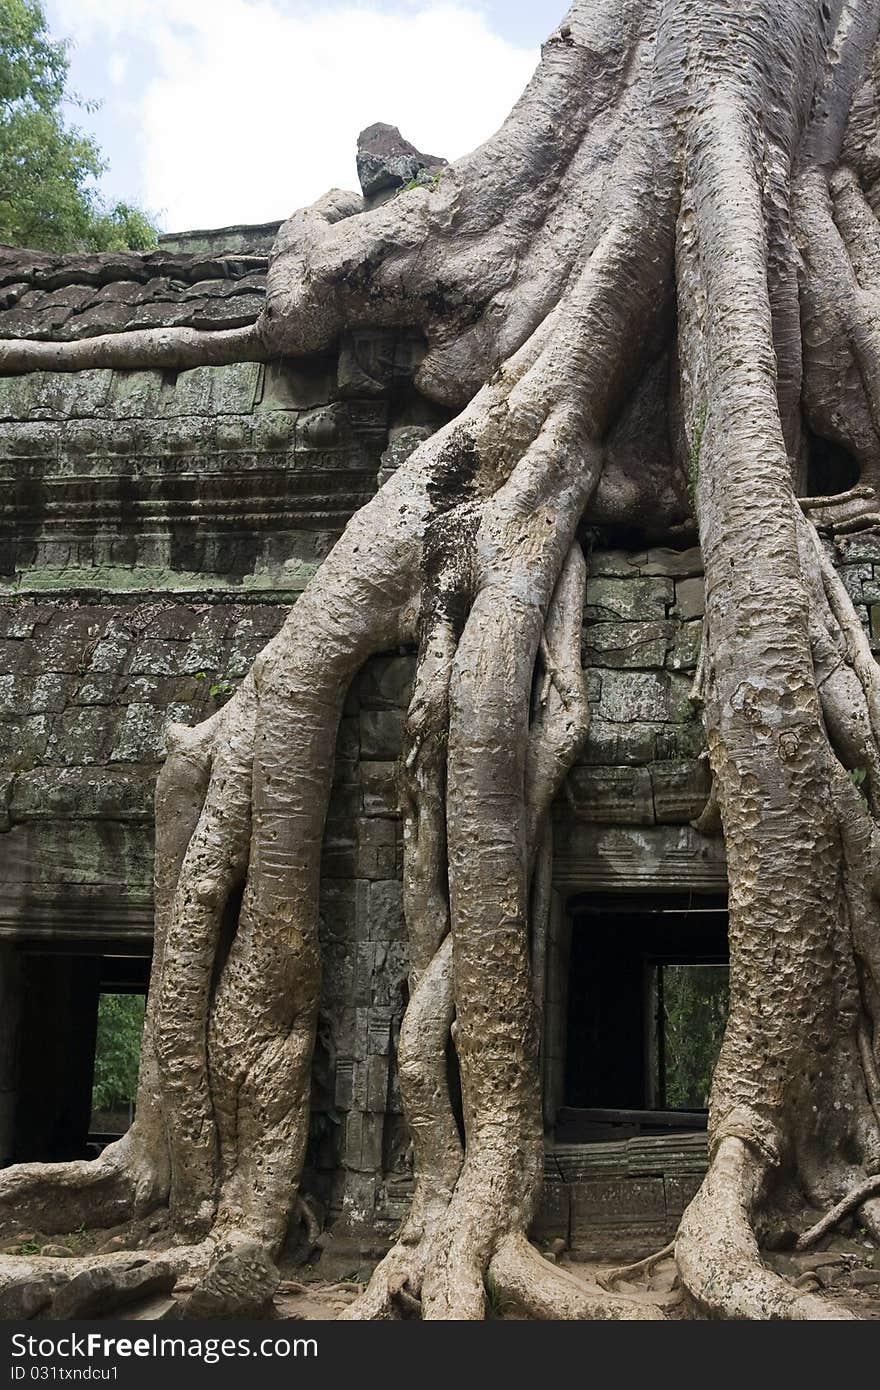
633, 600
24, 1298
690, 598
240, 1284
104, 1288
386, 161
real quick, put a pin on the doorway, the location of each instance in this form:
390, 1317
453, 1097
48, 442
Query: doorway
647, 1005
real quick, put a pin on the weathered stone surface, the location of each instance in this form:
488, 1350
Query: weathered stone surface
381, 734
64, 297
690, 598
160, 1308
25, 1297
553, 1220
634, 600
241, 1284
613, 795
386, 161
401, 444
859, 582
662, 562
686, 646
617, 1218
680, 791
644, 695
638, 645
106, 1288
615, 745
863, 545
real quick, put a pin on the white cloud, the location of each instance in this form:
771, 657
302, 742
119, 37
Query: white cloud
117, 68
249, 110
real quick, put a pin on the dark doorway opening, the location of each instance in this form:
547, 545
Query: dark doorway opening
831, 468
61, 987
646, 1013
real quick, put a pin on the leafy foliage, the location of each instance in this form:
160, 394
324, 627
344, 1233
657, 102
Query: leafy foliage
120, 1025
48, 167
695, 1004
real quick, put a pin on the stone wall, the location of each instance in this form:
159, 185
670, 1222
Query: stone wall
154, 530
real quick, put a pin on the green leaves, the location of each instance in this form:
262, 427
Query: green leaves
48, 168
117, 1051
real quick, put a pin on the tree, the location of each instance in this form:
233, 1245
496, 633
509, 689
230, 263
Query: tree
48, 168
117, 1050
653, 281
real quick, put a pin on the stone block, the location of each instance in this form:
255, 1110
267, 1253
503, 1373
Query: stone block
379, 1024
343, 1093
616, 1202
862, 546
686, 647
613, 795
152, 657
632, 600
362, 1149
385, 919
672, 564
366, 968
680, 790
381, 734
339, 854
652, 697
84, 735
859, 582
676, 742
639, 645
377, 848
619, 745
380, 790
94, 792
213, 391
386, 682
660, 562
680, 1192
16, 693
338, 910
97, 688
553, 1220
376, 1083
690, 598
340, 962
141, 735
18, 618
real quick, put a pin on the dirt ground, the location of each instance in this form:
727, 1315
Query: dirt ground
843, 1275
846, 1270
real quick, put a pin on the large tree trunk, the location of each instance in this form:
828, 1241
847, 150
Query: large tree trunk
691, 179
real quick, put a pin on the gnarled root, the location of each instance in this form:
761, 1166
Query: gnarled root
854, 1199
526, 1285
717, 1254
609, 1277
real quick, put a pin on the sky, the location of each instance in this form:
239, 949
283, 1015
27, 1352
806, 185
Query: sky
220, 111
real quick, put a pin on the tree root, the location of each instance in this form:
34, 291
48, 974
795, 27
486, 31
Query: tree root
865, 1190
76, 1287
172, 349
477, 532
717, 1255
528, 1286
53, 1197
609, 1277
